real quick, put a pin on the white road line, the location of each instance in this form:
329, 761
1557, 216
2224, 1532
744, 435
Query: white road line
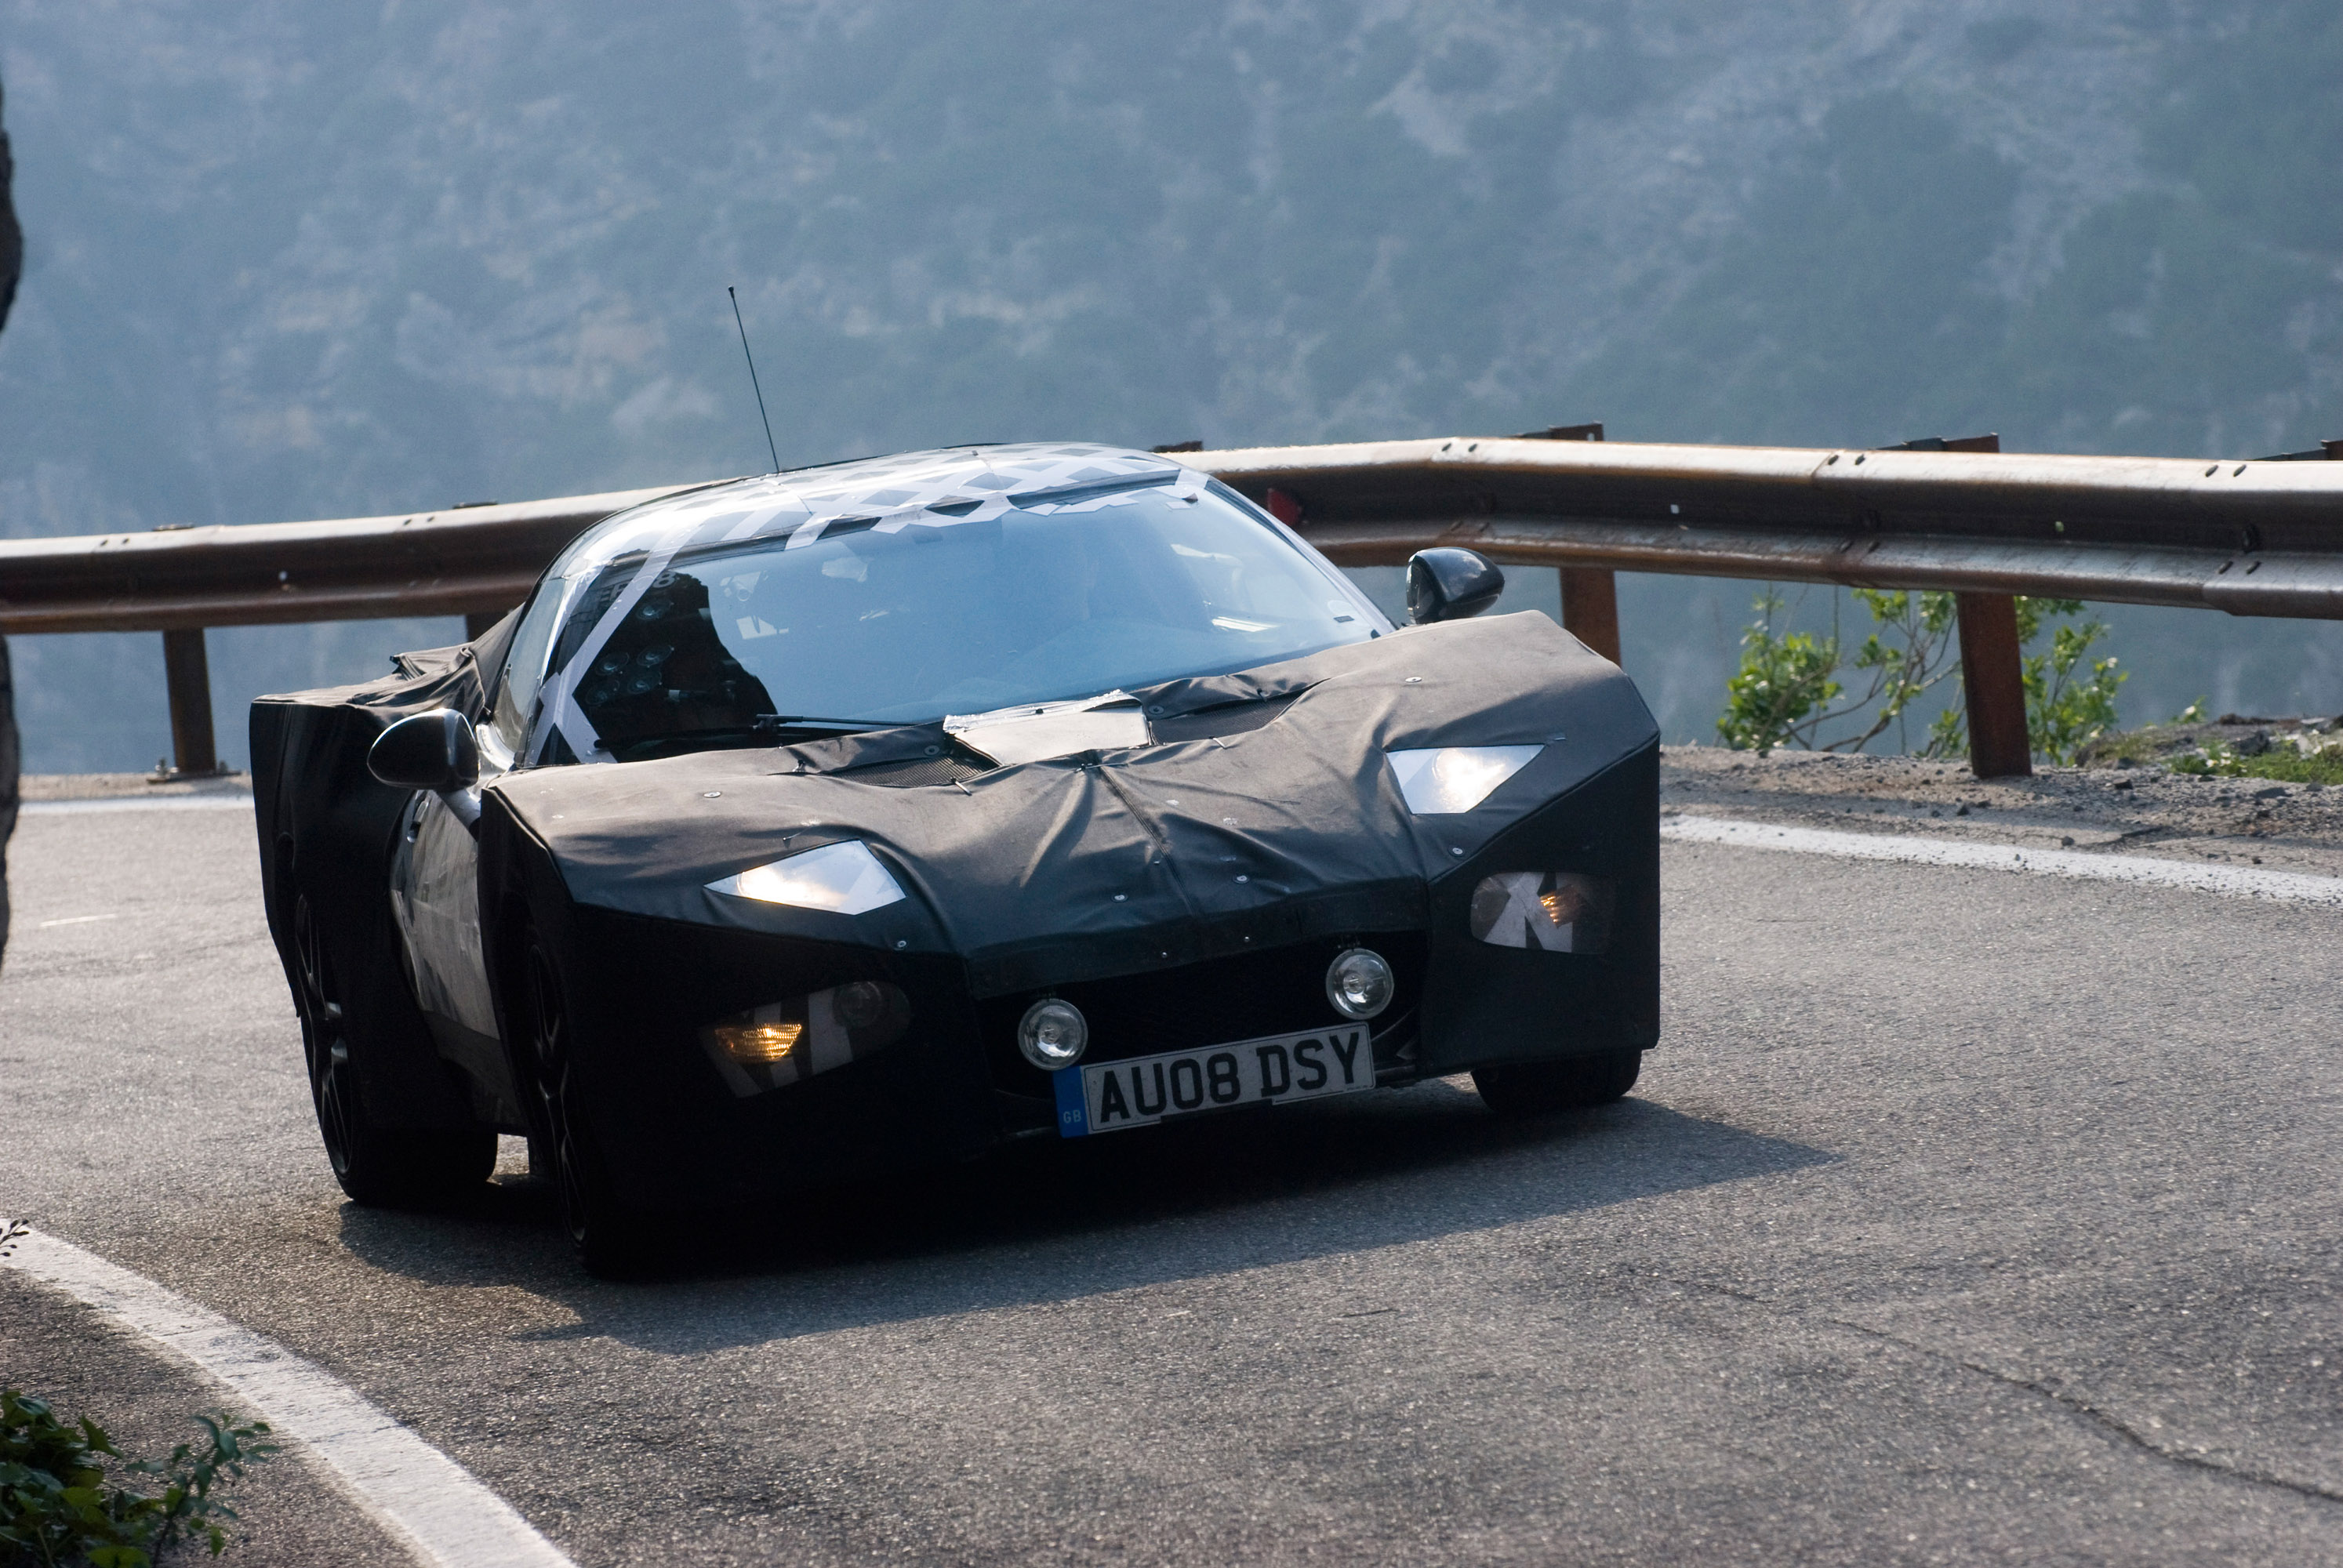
416, 1492
232, 802
2235, 881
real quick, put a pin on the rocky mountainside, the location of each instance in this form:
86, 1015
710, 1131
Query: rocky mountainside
291, 260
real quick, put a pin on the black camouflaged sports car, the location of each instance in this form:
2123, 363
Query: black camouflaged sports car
853, 816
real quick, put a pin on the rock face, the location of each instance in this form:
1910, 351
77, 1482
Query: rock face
12, 262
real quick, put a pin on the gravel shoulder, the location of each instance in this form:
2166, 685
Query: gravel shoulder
2129, 811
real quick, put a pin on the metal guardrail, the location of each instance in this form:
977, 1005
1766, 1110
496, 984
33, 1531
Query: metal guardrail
474, 561
2252, 538
2261, 537
463, 560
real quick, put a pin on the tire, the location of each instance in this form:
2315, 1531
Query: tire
611, 1239
377, 1166
1573, 1083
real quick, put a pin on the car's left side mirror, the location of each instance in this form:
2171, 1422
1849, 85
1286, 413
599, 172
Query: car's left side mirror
1450, 584
436, 751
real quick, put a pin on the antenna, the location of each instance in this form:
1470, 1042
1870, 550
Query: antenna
752, 379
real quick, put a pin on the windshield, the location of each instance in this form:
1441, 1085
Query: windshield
934, 615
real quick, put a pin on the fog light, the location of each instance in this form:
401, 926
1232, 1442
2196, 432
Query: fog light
1359, 983
759, 1044
1053, 1034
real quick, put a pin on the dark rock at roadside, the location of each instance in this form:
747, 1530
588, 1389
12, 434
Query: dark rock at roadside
12, 237
8, 767
12, 263
2158, 744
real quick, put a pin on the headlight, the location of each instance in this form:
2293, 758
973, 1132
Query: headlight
1446, 779
867, 1004
844, 879
1359, 983
1556, 911
1053, 1034
784, 1041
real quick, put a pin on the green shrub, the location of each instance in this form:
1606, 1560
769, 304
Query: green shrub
2066, 710
1784, 691
1784, 687
57, 1506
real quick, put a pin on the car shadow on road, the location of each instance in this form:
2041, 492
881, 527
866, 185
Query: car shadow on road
1050, 1221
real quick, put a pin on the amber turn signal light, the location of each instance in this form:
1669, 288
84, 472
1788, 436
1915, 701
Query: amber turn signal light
759, 1044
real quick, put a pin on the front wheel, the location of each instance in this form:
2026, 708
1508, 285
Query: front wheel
1573, 1083
378, 1166
612, 1239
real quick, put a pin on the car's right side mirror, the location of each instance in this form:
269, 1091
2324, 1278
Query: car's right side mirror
1450, 584
435, 750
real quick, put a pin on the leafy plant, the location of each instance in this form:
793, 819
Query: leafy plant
57, 1505
1927, 627
1783, 684
1784, 691
2066, 709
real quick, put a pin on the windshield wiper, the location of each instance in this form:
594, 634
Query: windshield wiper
768, 722
771, 728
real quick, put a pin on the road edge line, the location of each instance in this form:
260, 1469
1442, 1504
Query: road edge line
424, 1500
2231, 881
238, 802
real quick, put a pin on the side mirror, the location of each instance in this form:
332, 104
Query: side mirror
436, 751
1450, 584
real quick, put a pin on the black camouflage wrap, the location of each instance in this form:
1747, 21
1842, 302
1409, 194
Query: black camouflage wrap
328, 827
1184, 892
1080, 868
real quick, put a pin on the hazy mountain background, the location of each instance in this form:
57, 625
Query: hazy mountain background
289, 259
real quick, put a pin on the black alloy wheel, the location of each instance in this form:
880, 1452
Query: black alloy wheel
377, 1166
333, 1086
1573, 1083
611, 1239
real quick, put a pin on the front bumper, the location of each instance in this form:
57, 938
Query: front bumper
677, 1135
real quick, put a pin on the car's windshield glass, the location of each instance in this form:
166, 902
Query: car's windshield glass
938, 615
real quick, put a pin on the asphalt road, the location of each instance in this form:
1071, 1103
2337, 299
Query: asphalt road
1961, 1217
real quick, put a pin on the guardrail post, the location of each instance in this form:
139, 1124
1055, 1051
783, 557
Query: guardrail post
188, 677
1590, 594
1589, 609
1993, 676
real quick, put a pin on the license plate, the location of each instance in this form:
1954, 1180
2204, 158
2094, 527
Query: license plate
1114, 1095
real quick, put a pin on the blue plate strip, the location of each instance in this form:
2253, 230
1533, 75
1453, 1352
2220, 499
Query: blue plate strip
1073, 1111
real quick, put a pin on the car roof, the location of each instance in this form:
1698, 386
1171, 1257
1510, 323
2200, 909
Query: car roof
903, 485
